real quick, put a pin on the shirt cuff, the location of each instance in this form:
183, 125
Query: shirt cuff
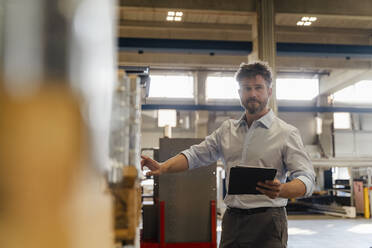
189, 158
308, 184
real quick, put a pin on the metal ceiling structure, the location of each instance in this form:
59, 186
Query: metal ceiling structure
340, 39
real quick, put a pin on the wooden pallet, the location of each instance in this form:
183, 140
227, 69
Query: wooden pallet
127, 197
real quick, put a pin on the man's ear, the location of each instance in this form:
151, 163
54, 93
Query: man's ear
270, 91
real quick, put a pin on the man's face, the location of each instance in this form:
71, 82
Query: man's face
254, 94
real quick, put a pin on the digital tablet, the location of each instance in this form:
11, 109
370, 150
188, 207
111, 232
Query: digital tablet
243, 180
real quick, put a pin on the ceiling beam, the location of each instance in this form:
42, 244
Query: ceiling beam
126, 12
194, 34
320, 35
231, 62
323, 30
321, 63
342, 79
196, 31
359, 8
243, 47
329, 7
185, 25
186, 46
321, 50
235, 5
181, 61
239, 32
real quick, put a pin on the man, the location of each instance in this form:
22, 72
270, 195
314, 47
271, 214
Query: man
258, 139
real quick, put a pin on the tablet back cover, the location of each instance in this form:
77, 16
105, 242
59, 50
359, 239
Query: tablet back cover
243, 180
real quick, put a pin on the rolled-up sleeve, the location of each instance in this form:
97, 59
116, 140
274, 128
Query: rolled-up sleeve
205, 153
298, 162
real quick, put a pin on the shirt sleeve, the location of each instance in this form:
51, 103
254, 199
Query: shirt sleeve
205, 153
298, 162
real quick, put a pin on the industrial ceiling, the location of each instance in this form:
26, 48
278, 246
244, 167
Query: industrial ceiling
339, 23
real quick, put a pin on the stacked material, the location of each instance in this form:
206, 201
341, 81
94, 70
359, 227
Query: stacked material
125, 136
135, 122
125, 158
119, 136
56, 66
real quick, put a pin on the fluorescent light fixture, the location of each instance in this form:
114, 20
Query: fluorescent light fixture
305, 18
171, 13
307, 23
178, 18
170, 18
313, 19
300, 23
179, 13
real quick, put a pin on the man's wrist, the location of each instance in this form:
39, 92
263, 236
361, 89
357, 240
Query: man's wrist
292, 189
163, 168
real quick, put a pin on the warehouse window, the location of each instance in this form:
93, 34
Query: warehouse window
221, 88
357, 93
167, 117
341, 120
297, 88
171, 86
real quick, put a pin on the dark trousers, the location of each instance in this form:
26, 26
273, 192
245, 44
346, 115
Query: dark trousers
258, 228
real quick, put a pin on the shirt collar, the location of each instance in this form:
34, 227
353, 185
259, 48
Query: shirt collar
265, 120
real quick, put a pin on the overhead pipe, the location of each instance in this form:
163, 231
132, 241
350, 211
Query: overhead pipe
215, 47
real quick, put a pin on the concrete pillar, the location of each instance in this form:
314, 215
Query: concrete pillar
325, 138
201, 117
264, 42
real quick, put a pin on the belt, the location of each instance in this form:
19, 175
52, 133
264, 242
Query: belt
248, 211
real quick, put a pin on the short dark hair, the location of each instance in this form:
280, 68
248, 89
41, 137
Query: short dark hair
253, 69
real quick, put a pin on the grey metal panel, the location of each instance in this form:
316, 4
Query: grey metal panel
366, 122
344, 144
363, 141
305, 122
187, 196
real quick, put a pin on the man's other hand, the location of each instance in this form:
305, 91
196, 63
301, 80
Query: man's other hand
271, 188
154, 166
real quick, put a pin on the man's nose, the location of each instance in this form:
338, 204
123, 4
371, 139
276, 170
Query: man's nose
252, 93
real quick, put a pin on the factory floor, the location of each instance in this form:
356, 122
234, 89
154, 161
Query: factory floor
309, 231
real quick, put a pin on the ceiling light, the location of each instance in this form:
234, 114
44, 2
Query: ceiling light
313, 19
305, 18
170, 18
178, 18
171, 13
300, 23
307, 23
319, 124
179, 13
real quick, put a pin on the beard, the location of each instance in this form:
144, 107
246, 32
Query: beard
254, 106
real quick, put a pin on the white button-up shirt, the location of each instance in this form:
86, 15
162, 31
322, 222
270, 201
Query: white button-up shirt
268, 143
